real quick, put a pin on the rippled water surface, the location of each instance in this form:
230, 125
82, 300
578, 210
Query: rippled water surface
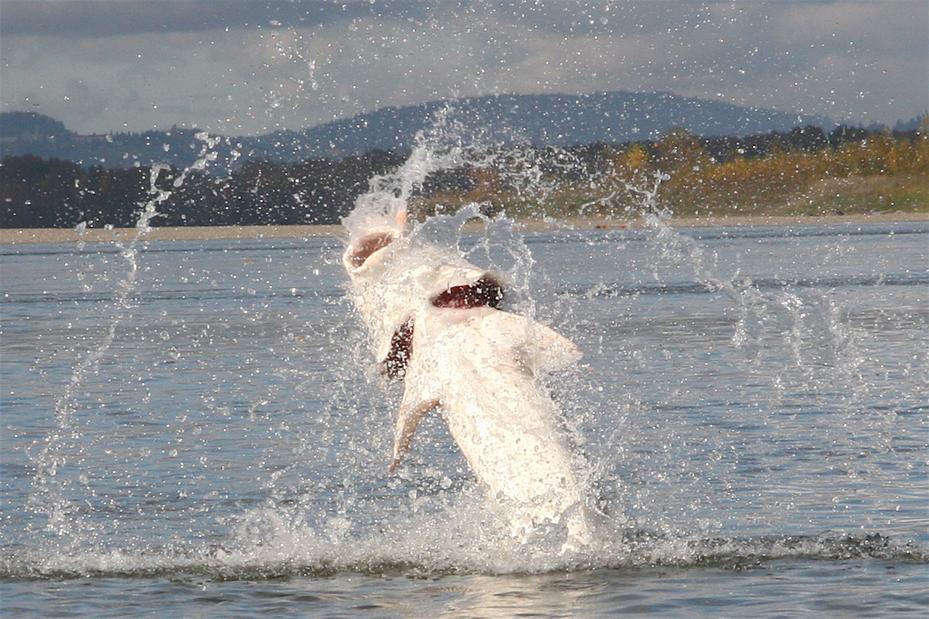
208, 437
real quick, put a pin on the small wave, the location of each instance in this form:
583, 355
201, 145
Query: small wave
747, 552
688, 288
191, 294
225, 246
629, 550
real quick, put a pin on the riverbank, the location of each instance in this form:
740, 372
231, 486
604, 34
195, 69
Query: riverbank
15, 236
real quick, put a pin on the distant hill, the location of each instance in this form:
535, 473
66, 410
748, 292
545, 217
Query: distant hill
556, 120
29, 126
542, 120
27, 133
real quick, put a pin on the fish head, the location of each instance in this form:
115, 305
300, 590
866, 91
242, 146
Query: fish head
369, 244
363, 253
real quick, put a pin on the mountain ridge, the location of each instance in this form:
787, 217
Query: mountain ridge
539, 119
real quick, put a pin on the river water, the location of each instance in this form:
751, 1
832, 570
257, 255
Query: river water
206, 435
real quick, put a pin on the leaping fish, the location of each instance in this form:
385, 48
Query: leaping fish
435, 323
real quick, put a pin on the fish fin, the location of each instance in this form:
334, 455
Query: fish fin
407, 422
544, 349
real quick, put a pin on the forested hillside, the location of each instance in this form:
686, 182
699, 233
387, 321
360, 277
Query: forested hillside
803, 171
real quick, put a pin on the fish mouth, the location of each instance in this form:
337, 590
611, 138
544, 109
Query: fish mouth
486, 291
367, 246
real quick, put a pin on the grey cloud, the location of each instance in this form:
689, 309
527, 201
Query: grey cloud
841, 62
102, 18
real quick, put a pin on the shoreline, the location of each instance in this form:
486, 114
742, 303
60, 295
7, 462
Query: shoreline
28, 236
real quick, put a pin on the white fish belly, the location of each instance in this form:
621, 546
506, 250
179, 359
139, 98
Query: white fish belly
506, 425
514, 445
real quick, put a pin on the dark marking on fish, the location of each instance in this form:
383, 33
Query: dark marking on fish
401, 348
485, 292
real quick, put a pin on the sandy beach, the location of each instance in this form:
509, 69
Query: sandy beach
13, 236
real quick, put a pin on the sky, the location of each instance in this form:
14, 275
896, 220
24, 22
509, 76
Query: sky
246, 67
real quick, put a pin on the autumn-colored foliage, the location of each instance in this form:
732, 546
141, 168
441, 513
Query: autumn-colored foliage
808, 172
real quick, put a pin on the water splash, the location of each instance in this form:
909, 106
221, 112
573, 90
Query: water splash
386, 203
62, 518
757, 312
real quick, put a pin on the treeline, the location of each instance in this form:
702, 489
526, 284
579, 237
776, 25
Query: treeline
840, 173
51, 193
803, 171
